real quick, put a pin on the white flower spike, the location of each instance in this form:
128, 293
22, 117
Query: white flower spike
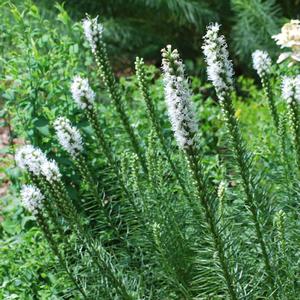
291, 88
92, 31
50, 171
261, 62
219, 67
32, 198
82, 93
68, 136
31, 159
35, 161
178, 99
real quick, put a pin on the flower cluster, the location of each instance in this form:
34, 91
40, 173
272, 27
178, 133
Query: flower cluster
92, 31
178, 99
219, 69
291, 88
32, 198
82, 93
30, 158
35, 161
68, 136
221, 189
50, 170
289, 38
261, 62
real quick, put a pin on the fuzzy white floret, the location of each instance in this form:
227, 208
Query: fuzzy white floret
261, 62
68, 136
178, 99
219, 67
291, 88
30, 158
32, 198
50, 171
82, 93
92, 31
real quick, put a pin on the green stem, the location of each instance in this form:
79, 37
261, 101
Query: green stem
75, 221
109, 155
268, 91
92, 117
275, 116
294, 115
155, 121
83, 168
46, 230
205, 199
50, 209
113, 90
247, 182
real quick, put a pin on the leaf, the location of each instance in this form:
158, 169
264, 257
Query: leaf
10, 226
42, 125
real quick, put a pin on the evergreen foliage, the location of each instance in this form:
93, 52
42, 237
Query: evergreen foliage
145, 26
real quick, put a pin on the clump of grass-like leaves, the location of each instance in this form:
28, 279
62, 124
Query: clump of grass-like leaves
153, 222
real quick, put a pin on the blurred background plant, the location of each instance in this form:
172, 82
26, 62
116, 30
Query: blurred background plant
143, 27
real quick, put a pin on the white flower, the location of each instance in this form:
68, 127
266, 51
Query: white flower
50, 171
34, 160
82, 93
291, 88
219, 69
178, 99
92, 31
261, 62
68, 136
32, 198
30, 158
289, 38
221, 189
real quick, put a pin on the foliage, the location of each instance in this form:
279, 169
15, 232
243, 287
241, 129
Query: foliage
132, 216
143, 27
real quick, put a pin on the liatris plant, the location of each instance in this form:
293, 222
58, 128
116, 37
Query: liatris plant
34, 201
220, 72
47, 175
84, 97
140, 72
262, 64
291, 94
184, 125
162, 222
70, 139
93, 33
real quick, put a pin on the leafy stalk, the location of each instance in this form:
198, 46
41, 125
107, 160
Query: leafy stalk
220, 72
144, 88
93, 33
181, 115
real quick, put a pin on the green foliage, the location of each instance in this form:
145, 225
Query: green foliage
133, 217
23, 274
143, 27
255, 22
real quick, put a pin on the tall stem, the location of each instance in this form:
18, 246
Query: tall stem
205, 199
81, 164
113, 90
47, 233
247, 181
270, 97
155, 121
294, 121
75, 221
